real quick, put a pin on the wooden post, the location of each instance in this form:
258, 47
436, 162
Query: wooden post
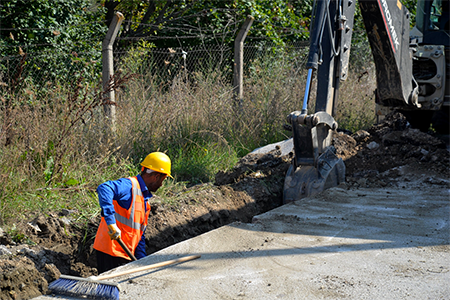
238, 76
108, 67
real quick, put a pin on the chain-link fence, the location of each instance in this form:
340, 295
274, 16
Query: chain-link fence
55, 66
167, 63
63, 64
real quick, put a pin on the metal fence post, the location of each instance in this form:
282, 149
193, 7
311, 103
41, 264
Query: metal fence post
108, 68
238, 73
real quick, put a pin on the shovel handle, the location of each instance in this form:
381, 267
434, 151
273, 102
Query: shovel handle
125, 248
153, 266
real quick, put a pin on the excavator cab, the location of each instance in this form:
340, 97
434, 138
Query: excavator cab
432, 20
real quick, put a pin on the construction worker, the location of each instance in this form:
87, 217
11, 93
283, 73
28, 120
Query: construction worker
125, 210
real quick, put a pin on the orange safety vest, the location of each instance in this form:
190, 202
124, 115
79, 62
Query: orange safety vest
131, 222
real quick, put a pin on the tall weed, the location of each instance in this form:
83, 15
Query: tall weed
356, 106
60, 149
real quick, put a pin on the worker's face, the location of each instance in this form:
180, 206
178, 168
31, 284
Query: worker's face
153, 181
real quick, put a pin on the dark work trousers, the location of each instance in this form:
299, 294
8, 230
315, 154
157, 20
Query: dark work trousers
106, 262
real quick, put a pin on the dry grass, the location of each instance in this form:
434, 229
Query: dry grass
356, 107
54, 160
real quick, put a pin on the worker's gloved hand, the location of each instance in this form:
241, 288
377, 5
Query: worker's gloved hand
114, 231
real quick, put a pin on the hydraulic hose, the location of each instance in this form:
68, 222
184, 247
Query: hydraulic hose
307, 89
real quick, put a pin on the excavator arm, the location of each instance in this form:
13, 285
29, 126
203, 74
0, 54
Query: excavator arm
387, 26
315, 166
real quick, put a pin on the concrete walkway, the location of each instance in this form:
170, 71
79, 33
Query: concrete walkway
361, 244
342, 244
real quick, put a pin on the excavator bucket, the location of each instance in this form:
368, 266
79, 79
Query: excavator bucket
315, 166
305, 181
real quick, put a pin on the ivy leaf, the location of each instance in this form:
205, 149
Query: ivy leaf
71, 182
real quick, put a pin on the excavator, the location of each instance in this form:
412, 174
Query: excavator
412, 73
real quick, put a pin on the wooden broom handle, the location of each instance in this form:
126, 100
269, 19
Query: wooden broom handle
145, 268
125, 248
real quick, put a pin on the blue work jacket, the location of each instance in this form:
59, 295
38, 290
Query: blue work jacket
120, 190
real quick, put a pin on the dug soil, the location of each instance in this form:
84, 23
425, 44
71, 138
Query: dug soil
57, 244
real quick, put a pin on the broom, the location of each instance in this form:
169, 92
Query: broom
94, 287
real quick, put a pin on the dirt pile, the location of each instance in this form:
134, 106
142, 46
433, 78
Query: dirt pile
37, 252
372, 157
254, 186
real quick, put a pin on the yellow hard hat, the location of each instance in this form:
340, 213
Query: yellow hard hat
157, 161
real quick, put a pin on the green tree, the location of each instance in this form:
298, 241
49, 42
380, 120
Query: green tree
277, 20
54, 34
38, 24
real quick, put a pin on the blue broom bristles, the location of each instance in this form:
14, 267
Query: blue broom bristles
84, 288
